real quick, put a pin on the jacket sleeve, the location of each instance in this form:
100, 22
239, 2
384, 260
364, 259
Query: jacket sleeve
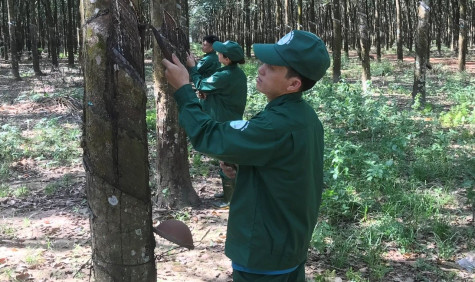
241, 142
204, 66
209, 84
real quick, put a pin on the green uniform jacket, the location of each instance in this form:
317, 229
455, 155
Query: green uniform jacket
279, 184
208, 64
226, 92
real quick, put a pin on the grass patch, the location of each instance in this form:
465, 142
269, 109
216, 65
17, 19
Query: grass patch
6, 230
64, 182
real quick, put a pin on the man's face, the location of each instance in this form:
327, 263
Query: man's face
206, 47
272, 81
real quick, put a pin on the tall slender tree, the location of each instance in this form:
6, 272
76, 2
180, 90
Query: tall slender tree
346, 28
409, 34
299, 15
462, 35
399, 42
115, 143
12, 23
174, 181
365, 44
70, 34
34, 38
439, 22
336, 49
5, 35
377, 29
52, 39
422, 46
248, 32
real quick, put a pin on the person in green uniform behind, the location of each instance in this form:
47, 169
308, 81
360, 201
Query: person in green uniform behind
207, 65
279, 151
223, 95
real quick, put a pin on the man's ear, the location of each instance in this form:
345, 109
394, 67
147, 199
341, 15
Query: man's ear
294, 84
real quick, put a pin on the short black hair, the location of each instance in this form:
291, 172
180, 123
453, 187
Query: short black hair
242, 62
210, 38
307, 83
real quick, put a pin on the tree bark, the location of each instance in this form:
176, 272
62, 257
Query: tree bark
377, 29
12, 22
399, 51
248, 34
439, 22
462, 35
455, 24
34, 38
52, 39
409, 33
173, 175
346, 29
115, 143
336, 50
422, 47
70, 40
6, 34
286, 16
365, 46
299, 15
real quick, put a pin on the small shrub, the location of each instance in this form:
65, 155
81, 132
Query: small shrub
458, 115
151, 119
22, 191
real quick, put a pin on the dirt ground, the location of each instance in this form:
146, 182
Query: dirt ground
46, 237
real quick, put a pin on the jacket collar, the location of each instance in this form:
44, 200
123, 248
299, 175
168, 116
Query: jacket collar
210, 53
284, 98
229, 67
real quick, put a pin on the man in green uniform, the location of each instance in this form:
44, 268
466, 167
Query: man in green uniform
280, 155
207, 65
223, 95
225, 91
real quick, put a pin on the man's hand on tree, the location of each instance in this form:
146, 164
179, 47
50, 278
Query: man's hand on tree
190, 60
175, 72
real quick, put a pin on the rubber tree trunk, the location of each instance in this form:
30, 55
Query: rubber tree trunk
6, 34
70, 34
52, 39
439, 22
409, 33
299, 15
462, 35
455, 24
422, 47
173, 174
248, 34
115, 143
399, 45
34, 38
346, 29
336, 49
13, 42
365, 46
377, 23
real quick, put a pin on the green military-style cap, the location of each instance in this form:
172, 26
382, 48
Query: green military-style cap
230, 49
301, 50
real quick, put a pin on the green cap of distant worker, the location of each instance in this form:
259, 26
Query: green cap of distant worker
303, 51
230, 49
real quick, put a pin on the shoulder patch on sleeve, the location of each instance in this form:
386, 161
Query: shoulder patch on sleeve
239, 124
210, 79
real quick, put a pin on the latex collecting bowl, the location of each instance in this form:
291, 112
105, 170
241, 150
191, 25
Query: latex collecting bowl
175, 231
